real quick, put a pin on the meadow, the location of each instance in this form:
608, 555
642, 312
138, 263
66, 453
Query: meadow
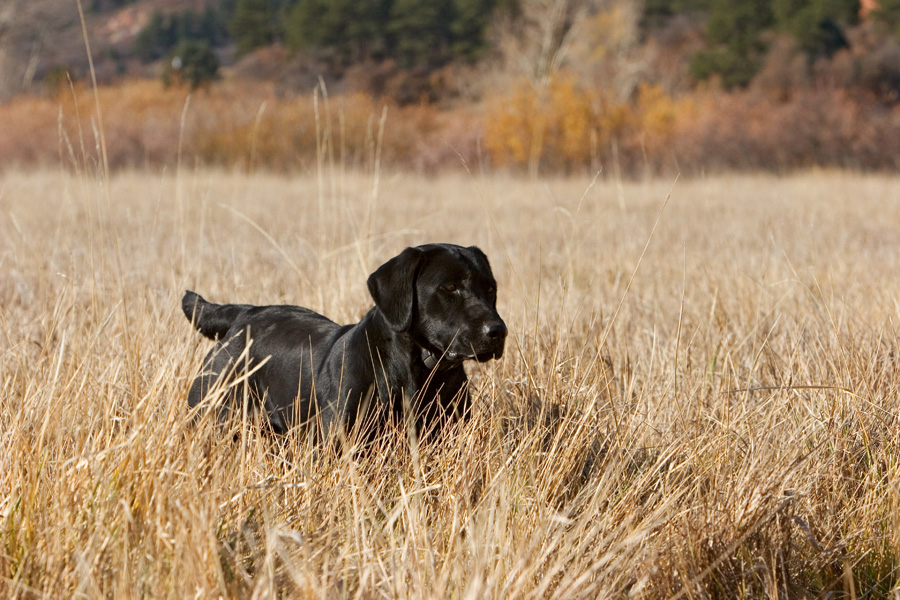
699, 396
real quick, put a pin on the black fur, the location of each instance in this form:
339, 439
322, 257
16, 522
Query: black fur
435, 307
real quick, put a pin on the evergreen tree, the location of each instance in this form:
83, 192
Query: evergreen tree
186, 25
816, 25
194, 63
735, 30
419, 31
225, 8
252, 24
415, 32
469, 22
212, 28
156, 39
742, 20
351, 30
657, 12
163, 32
306, 25
367, 26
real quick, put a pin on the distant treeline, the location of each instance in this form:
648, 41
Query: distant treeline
735, 30
427, 34
416, 33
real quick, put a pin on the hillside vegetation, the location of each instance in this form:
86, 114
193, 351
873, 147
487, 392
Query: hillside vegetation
567, 86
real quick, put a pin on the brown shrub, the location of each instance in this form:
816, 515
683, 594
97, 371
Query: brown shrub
232, 125
563, 128
812, 128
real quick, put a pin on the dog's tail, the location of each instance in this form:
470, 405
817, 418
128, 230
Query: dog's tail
212, 320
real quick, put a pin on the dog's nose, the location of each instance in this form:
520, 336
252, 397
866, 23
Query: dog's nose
494, 331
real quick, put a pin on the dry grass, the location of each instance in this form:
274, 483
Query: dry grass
235, 124
729, 431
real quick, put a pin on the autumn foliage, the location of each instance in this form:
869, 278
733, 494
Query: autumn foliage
144, 124
562, 126
566, 127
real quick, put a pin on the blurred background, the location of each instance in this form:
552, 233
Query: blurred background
541, 87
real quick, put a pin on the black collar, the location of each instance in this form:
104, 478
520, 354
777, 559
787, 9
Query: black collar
432, 360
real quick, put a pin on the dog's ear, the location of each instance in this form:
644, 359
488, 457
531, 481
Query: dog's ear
479, 255
393, 287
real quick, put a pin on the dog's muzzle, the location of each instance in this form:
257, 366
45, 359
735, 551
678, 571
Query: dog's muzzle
490, 346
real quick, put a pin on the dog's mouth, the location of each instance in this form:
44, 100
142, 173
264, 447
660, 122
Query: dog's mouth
446, 359
453, 358
457, 357
457, 351
480, 355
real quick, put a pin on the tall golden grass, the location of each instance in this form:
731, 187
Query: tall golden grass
234, 124
709, 411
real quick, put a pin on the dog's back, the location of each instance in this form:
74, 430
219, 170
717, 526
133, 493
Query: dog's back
285, 341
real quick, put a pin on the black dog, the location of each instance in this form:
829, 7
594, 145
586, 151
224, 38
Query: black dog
435, 307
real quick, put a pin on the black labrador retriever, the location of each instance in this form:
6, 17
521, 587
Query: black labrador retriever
435, 307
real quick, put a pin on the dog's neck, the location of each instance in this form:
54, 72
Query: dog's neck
430, 356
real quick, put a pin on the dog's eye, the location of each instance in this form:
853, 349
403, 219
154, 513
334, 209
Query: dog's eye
449, 287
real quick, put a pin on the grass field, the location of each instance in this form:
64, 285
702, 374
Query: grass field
717, 419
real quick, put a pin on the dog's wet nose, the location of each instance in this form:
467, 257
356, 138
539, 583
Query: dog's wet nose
494, 331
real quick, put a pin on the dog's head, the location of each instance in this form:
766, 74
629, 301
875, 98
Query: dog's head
445, 297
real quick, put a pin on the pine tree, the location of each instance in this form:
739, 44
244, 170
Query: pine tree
156, 38
735, 29
194, 63
352, 30
251, 26
469, 22
212, 27
306, 24
419, 31
366, 26
657, 12
816, 25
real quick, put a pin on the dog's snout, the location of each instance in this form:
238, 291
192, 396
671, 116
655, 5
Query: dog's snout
495, 330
